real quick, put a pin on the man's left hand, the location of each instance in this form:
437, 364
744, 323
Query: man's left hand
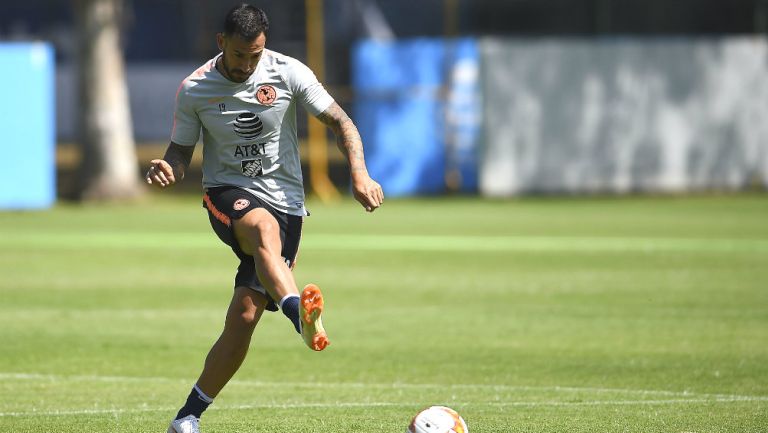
368, 192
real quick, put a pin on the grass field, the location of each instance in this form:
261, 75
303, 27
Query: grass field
535, 315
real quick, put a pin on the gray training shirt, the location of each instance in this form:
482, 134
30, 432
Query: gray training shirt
249, 129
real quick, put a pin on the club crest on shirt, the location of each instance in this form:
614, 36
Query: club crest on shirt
266, 94
240, 204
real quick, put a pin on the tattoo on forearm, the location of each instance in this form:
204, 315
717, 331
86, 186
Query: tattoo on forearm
347, 136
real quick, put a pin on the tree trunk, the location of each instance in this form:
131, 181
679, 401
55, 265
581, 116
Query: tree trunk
109, 168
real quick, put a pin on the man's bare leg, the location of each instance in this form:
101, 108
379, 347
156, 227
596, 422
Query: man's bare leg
228, 353
225, 357
258, 234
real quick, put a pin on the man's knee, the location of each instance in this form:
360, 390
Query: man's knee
246, 310
255, 230
249, 316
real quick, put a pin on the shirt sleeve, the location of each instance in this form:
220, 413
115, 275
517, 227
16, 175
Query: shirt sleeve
309, 91
186, 124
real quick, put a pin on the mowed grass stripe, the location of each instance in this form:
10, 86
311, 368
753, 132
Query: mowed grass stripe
337, 405
341, 242
361, 385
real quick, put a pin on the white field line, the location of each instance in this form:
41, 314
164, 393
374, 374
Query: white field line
688, 395
531, 404
696, 398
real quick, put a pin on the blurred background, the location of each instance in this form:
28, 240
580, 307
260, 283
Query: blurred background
478, 97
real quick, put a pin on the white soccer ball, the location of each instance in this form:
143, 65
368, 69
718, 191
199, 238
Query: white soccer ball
438, 419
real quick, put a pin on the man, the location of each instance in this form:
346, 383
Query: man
244, 100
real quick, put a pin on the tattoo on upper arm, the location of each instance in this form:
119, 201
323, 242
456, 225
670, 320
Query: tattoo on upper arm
334, 117
347, 136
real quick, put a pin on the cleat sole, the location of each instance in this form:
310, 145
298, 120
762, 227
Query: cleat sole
312, 331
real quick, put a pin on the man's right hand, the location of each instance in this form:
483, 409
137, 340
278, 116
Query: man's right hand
160, 173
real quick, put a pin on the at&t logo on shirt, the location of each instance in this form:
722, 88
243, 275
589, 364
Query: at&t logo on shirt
248, 125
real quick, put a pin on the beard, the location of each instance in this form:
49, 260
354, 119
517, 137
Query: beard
236, 75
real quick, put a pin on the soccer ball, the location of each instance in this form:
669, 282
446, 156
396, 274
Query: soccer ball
438, 419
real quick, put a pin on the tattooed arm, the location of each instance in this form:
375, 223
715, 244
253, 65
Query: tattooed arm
164, 172
366, 190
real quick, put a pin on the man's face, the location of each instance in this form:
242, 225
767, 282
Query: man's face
240, 56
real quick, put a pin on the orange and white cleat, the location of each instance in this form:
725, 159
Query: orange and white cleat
310, 308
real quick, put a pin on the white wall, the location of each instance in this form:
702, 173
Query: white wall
623, 114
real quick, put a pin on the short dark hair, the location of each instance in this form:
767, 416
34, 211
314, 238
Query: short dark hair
246, 21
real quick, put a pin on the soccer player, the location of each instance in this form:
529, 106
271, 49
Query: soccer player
244, 101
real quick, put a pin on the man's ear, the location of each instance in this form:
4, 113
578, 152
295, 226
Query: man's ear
220, 41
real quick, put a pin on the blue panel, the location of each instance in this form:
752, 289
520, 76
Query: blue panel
27, 168
399, 114
401, 111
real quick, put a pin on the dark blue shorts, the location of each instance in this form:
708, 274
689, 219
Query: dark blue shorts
228, 203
